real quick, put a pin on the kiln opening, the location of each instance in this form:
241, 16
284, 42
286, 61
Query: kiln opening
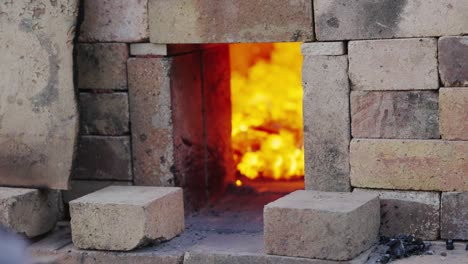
237, 118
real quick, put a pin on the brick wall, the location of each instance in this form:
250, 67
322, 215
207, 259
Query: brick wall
397, 128
385, 105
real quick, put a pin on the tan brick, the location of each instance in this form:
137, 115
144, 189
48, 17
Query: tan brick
39, 119
404, 212
453, 61
114, 21
30, 212
453, 105
375, 19
413, 114
102, 66
397, 64
104, 114
151, 115
103, 158
225, 21
409, 164
323, 49
125, 217
332, 226
454, 216
326, 122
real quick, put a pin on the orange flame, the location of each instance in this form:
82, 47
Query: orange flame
266, 94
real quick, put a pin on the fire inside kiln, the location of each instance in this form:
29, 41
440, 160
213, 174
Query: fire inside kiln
266, 97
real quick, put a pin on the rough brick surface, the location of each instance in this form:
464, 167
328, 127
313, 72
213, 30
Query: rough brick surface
397, 64
403, 212
104, 114
395, 114
409, 164
323, 49
454, 219
332, 226
453, 61
114, 21
151, 115
103, 158
326, 123
30, 212
38, 115
223, 21
102, 66
453, 105
125, 217
374, 19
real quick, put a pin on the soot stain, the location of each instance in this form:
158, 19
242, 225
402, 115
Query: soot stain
382, 17
333, 22
49, 94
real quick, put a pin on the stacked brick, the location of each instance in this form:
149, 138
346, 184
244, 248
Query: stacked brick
408, 112
104, 148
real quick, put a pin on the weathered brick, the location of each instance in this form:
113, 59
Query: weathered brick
403, 212
326, 123
453, 105
140, 214
395, 114
30, 212
397, 64
454, 216
453, 61
409, 164
102, 66
103, 158
104, 114
114, 21
224, 21
151, 115
375, 19
38, 115
323, 49
332, 226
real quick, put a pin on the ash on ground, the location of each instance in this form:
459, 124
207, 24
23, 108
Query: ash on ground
403, 246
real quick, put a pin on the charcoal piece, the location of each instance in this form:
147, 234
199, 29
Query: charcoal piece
449, 244
403, 246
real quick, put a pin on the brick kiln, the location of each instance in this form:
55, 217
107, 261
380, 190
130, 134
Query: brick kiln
124, 115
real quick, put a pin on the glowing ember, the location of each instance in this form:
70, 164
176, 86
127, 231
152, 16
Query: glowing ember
266, 94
